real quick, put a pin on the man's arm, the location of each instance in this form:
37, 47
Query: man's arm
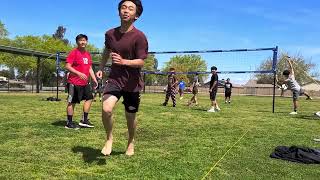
72, 70
291, 67
104, 60
214, 84
117, 59
93, 77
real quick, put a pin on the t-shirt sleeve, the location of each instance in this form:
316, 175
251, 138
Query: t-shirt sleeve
71, 57
216, 78
90, 59
107, 41
141, 47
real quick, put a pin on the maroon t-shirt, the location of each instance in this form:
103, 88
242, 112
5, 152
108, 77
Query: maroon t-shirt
130, 45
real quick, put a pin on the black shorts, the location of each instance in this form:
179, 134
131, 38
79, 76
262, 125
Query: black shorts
195, 90
78, 93
131, 100
213, 95
227, 94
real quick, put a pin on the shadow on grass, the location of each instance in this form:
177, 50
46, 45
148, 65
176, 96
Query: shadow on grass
59, 123
198, 108
308, 117
90, 155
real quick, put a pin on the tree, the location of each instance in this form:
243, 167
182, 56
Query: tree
187, 63
24, 64
60, 33
3, 31
150, 64
302, 69
8, 73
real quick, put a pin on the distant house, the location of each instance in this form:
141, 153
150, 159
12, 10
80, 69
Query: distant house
312, 86
253, 84
221, 84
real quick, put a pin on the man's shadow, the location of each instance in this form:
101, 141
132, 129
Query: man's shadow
59, 123
308, 117
91, 155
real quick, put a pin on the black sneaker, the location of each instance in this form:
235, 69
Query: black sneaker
164, 104
72, 125
86, 124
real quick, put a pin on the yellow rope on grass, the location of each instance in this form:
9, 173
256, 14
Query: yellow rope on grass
212, 168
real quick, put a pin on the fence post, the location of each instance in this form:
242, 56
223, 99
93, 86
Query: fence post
38, 75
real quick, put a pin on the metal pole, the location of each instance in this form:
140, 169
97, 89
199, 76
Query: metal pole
144, 82
8, 85
38, 75
274, 68
57, 72
32, 76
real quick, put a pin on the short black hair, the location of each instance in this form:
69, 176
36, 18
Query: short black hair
197, 73
80, 36
214, 68
228, 79
286, 72
138, 3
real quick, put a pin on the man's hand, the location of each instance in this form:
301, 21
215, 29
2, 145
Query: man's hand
96, 84
82, 76
99, 74
117, 59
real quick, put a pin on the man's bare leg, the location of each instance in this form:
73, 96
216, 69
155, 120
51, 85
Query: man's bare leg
109, 102
70, 109
191, 100
196, 100
87, 106
132, 124
295, 105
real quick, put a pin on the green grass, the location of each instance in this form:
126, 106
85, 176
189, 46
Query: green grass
171, 143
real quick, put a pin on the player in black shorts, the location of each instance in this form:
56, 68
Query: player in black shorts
213, 90
227, 91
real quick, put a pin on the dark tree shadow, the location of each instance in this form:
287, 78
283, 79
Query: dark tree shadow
90, 155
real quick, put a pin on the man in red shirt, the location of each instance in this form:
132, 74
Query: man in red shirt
128, 48
79, 64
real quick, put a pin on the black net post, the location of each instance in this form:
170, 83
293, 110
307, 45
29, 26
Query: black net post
274, 68
38, 75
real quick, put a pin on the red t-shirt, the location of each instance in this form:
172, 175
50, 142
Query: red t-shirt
130, 45
80, 61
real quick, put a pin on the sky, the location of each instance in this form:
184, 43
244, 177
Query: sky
177, 25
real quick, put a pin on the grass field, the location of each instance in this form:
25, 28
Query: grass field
171, 143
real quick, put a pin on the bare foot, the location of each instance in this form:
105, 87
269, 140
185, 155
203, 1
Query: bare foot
130, 150
107, 148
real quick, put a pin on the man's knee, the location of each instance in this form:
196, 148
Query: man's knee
107, 111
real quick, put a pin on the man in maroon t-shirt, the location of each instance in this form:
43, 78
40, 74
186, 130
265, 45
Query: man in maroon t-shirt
127, 47
171, 88
79, 65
